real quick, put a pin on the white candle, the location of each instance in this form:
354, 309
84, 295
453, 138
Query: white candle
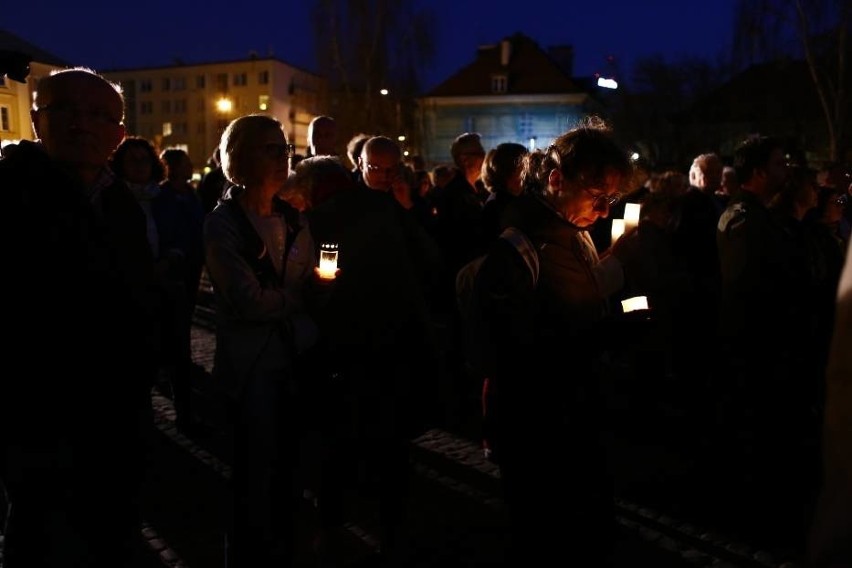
631, 215
328, 261
635, 303
617, 229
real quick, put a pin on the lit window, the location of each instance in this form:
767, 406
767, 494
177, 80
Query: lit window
263, 102
167, 129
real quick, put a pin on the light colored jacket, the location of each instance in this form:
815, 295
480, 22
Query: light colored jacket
256, 317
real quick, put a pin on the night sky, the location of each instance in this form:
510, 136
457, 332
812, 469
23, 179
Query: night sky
104, 34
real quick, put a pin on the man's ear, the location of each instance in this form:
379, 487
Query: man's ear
120, 132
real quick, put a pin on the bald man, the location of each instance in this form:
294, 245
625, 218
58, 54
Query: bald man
322, 137
75, 414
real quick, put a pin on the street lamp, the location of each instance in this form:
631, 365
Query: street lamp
224, 105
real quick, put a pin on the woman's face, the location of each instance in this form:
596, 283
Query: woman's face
833, 211
265, 160
513, 184
581, 204
137, 164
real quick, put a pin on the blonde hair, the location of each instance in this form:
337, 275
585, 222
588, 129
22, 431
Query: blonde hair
232, 145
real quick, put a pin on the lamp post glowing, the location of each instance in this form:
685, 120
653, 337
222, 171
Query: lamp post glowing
224, 105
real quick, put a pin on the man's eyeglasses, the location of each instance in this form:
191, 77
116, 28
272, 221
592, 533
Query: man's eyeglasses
602, 201
374, 169
68, 112
277, 151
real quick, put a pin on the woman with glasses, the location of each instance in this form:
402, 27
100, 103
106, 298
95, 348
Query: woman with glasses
541, 381
260, 257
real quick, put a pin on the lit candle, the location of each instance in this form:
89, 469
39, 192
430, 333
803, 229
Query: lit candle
617, 229
631, 215
328, 261
635, 303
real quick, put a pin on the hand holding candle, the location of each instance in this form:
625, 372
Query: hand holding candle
328, 261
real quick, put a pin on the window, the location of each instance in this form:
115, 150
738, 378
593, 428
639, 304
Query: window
200, 128
167, 84
180, 106
200, 105
145, 86
179, 84
525, 126
263, 102
263, 78
499, 83
146, 107
166, 107
2, 80
221, 81
240, 80
200, 81
167, 129
179, 128
5, 125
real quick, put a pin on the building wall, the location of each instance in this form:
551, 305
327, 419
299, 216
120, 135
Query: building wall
16, 98
177, 106
533, 121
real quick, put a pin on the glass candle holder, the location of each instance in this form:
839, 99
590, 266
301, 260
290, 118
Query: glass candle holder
328, 261
617, 229
635, 303
631, 215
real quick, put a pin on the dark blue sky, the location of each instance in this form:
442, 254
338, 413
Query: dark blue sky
105, 34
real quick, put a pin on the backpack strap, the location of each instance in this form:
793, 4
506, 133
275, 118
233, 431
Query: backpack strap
525, 248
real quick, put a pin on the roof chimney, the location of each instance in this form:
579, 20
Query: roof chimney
505, 52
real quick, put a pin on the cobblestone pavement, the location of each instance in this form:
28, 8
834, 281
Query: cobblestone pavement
459, 518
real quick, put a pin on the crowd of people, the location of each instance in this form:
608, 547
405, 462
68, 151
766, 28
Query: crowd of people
327, 378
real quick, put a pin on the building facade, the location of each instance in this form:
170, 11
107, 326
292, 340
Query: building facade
189, 106
513, 91
16, 95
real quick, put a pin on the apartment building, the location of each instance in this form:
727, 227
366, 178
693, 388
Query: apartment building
16, 96
188, 106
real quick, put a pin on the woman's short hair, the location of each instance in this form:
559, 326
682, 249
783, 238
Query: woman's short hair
500, 163
318, 178
116, 160
586, 155
233, 147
